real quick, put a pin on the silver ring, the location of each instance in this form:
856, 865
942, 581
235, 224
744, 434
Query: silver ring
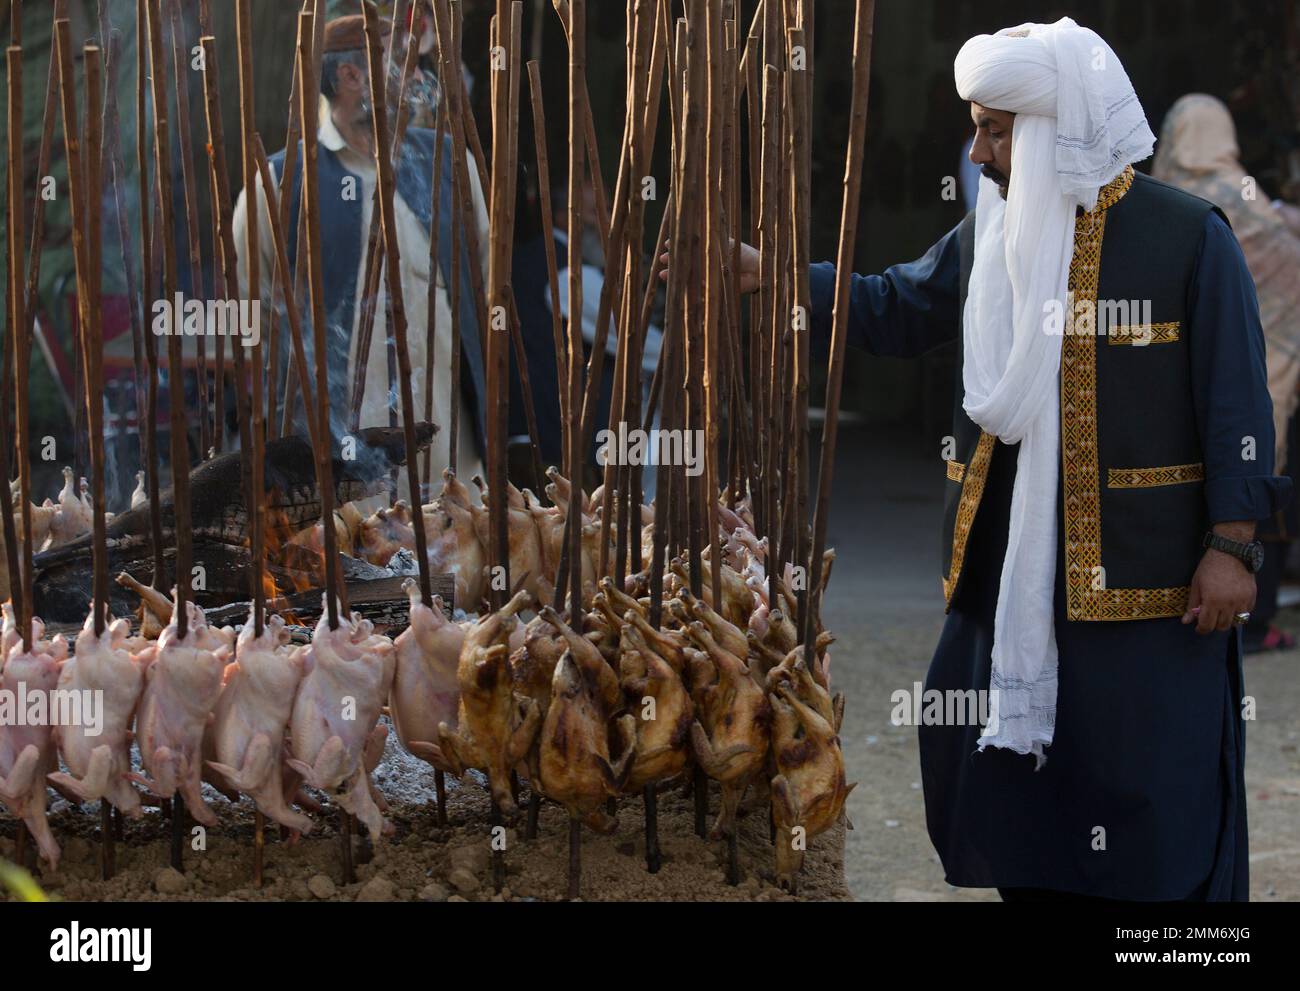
1241, 619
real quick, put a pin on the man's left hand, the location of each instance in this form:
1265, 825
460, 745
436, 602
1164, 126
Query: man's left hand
1221, 588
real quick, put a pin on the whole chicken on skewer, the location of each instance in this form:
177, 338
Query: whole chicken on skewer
454, 546
73, 517
334, 726
533, 665
28, 752
661, 709
574, 766
733, 726
809, 789
525, 547
495, 725
99, 763
425, 692
182, 684
246, 737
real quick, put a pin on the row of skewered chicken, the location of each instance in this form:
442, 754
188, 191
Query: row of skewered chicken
56, 522
582, 714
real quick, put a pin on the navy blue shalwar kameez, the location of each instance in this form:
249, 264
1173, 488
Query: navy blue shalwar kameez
1148, 754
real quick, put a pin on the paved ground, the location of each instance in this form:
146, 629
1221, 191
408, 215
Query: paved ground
886, 607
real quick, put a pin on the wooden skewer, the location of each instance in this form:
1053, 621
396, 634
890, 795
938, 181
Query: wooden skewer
92, 331
324, 432
801, 114
253, 251
149, 448
284, 276
175, 370
862, 38
14, 359
385, 186
218, 279
431, 301
113, 152
183, 132
575, 825
548, 241
227, 256
376, 249
577, 96
464, 227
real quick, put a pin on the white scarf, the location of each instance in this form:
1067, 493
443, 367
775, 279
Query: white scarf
1078, 124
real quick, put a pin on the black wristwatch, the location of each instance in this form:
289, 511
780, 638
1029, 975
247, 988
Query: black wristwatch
1250, 554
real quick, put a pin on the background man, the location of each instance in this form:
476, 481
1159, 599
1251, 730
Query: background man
346, 153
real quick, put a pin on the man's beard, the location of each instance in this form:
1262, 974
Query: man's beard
989, 172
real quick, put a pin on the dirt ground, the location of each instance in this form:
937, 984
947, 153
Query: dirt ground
421, 862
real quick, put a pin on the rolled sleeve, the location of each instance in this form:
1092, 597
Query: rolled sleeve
1230, 384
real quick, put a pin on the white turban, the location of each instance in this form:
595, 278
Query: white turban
1078, 125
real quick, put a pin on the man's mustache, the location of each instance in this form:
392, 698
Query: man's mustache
989, 172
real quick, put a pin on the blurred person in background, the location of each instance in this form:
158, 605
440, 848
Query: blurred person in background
345, 153
1198, 153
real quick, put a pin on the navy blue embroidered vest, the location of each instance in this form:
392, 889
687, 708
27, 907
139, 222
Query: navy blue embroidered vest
1132, 478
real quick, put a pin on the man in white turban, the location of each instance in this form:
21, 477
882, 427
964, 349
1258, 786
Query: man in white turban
1113, 450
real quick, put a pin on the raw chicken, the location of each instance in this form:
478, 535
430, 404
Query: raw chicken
155, 608
181, 688
454, 546
140, 497
385, 532
525, 547
28, 751
73, 517
336, 739
346, 528
733, 725
809, 789
495, 726
425, 691
246, 737
99, 763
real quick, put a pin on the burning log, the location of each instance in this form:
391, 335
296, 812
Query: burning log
218, 523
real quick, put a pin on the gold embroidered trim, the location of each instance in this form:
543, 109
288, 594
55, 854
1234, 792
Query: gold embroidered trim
1147, 478
955, 471
1142, 334
1080, 469
971, 491
1114, 191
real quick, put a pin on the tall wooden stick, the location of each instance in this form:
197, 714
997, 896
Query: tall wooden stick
324, 432
149, 448
116, 165
179, 63
862, 38
284, 276
577, 138
253, 251
548, 243
228, 260
175, 369
386, 188
19, 344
